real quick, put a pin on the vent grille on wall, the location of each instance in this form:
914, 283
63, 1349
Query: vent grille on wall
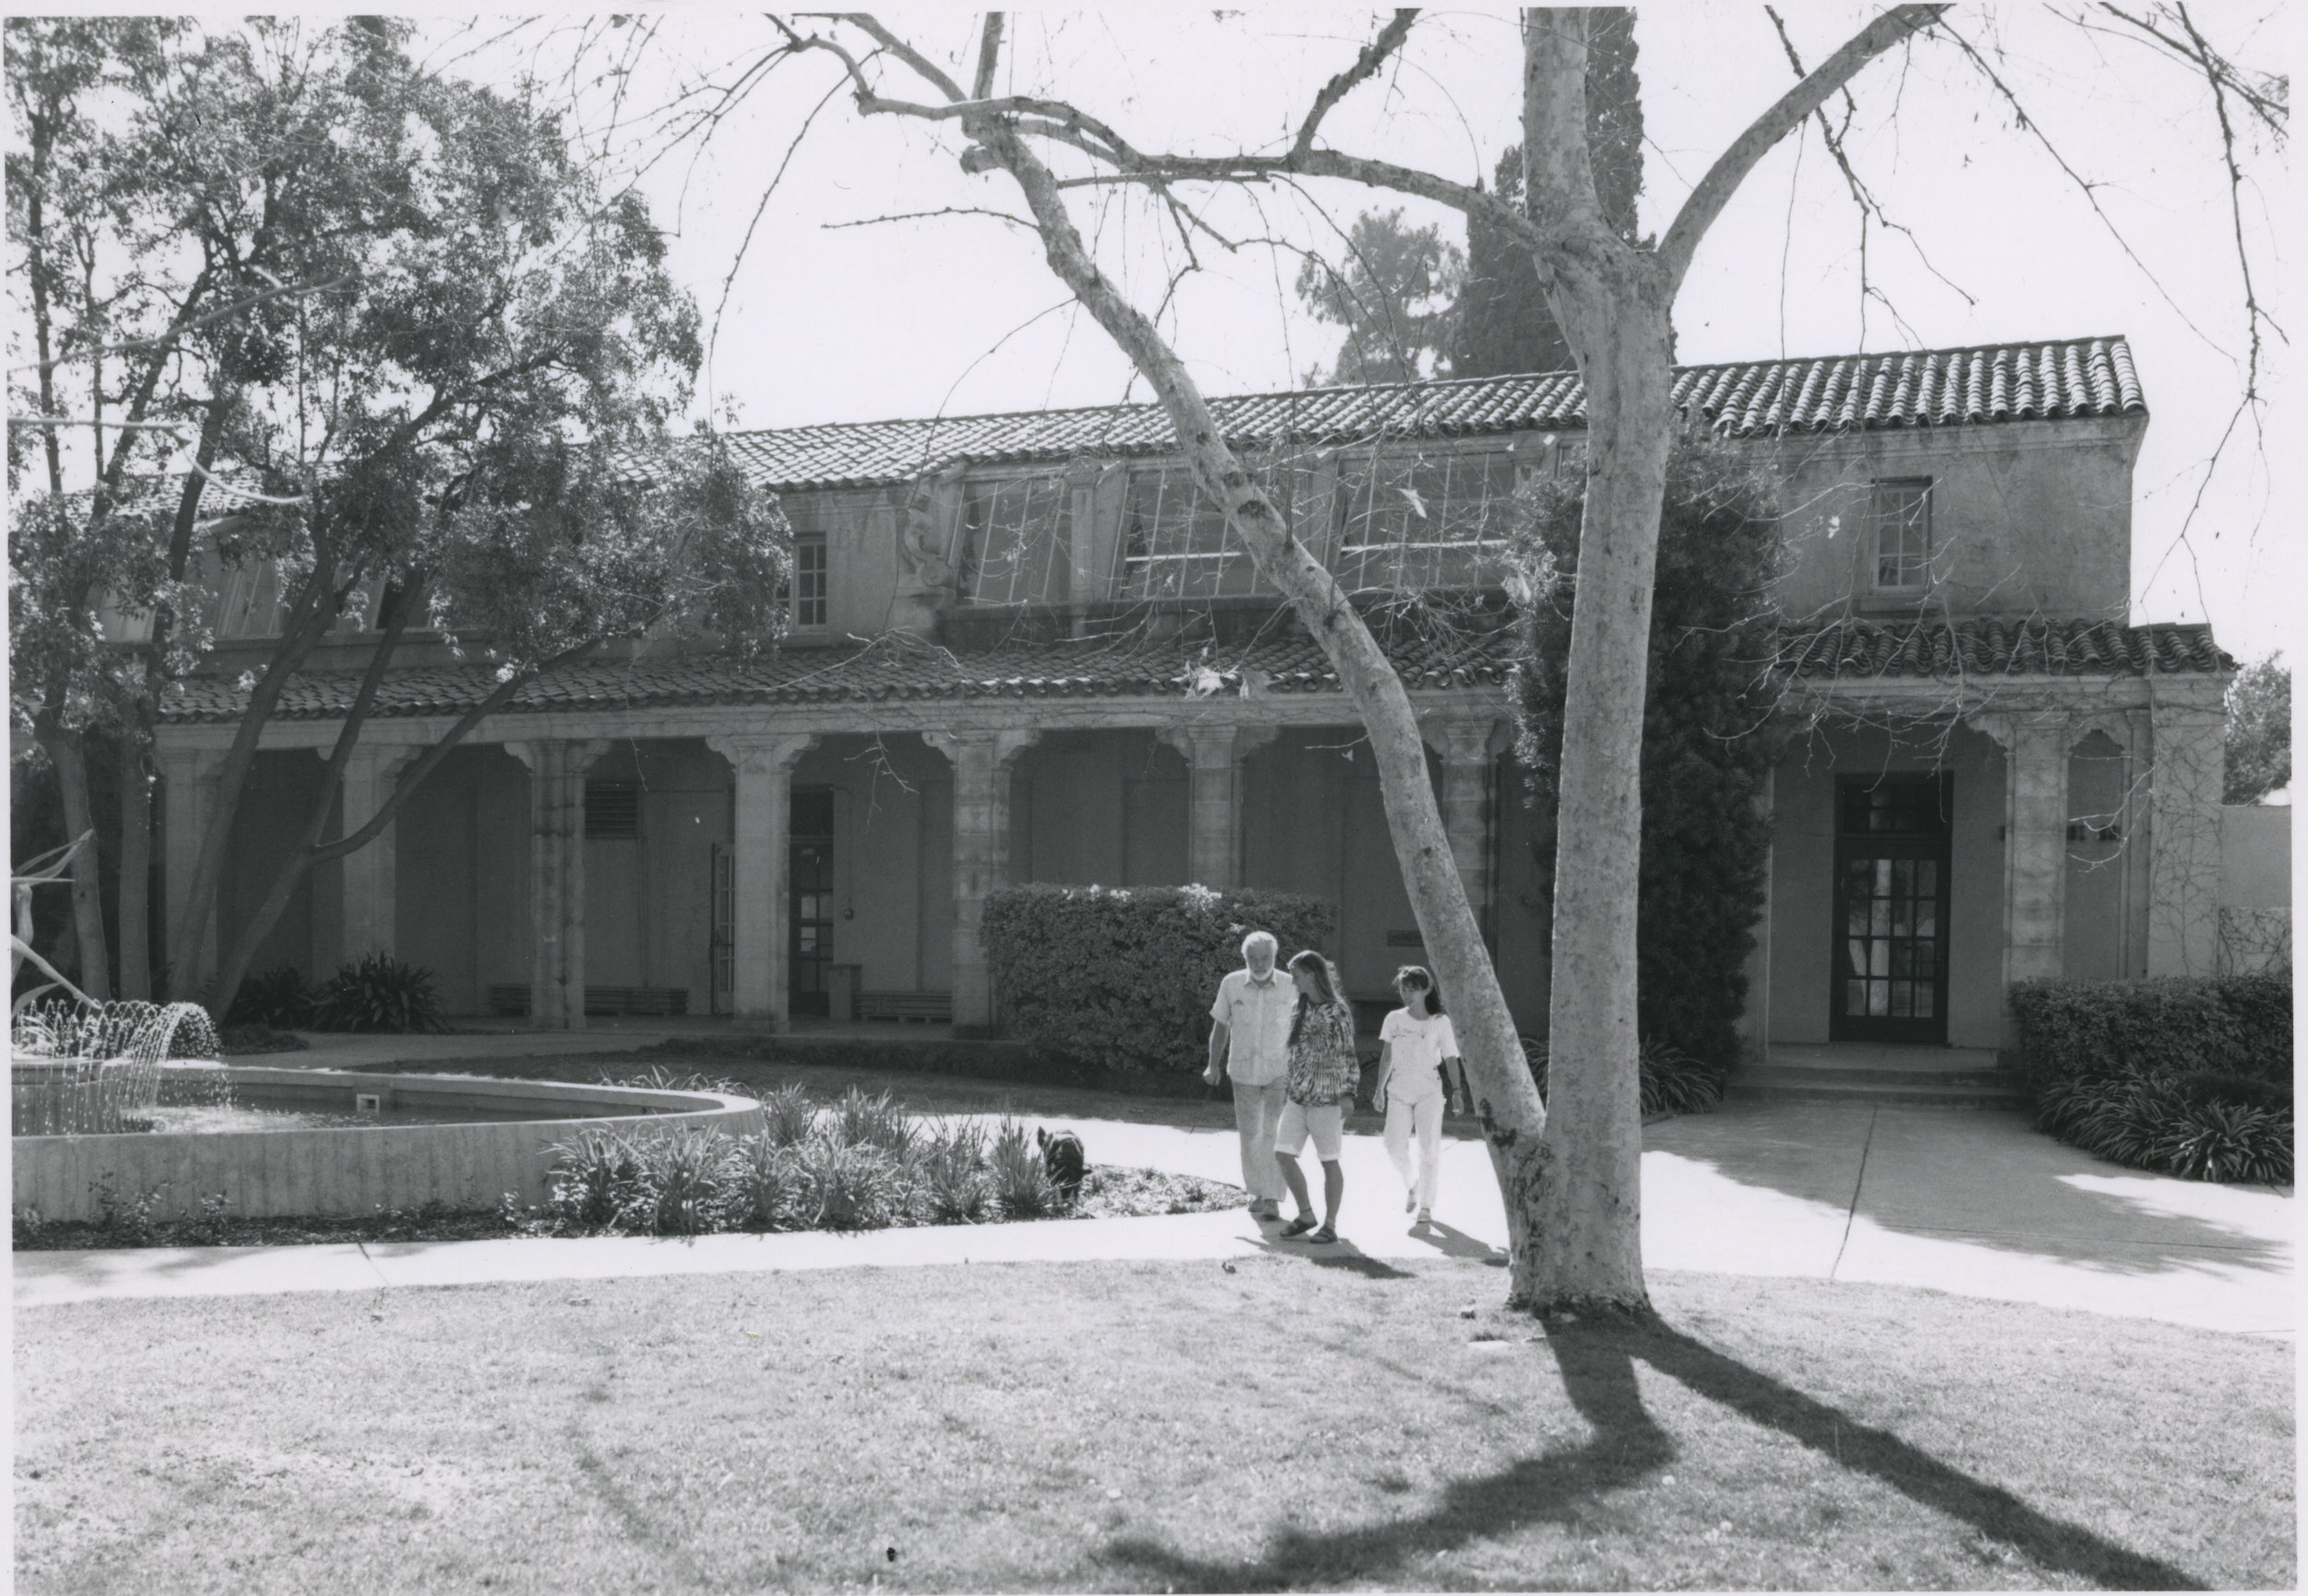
612, 809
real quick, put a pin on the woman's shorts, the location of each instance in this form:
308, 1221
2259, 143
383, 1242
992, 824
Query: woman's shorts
1326, 1125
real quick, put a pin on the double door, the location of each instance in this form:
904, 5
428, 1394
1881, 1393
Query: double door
809, 909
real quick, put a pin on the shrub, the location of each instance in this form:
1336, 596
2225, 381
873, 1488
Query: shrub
1021, 1182
2184, 1075
787, 1116
596, 1181
1123, 978
686, 1180
768, 1186
280, 999
378, 992
847, 1186
1671, 1081
952, 1183
876, 1121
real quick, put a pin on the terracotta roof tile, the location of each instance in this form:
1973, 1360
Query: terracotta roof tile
1989, 645
900, 669
2060, 380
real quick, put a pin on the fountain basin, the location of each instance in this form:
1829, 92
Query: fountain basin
342, 1171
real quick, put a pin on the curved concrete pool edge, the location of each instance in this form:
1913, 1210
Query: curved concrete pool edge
342, 1172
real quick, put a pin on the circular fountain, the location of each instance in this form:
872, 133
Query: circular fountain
91, 1093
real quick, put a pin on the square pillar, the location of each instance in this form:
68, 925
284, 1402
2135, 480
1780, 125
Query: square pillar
981, 764
1214, 792
2186, 778
1469, 767
556, 878
763, 767
371, 874
188, 778
2035, 746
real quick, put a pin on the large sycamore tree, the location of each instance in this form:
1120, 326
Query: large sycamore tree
1571, 1176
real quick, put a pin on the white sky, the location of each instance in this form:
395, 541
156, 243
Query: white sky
959, 314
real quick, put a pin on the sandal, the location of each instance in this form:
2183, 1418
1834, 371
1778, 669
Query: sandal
1298, 1227
1325, 1234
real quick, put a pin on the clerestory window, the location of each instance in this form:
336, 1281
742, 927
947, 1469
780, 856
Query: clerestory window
1900, 510
1015, 538
1437, 520
1175, 541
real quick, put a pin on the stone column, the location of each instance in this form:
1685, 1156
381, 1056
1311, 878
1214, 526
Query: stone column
556, 878
2035, 745
764, 833
1468, 770
370, 872
1214, 754
2185, 780
981, 764
188, 778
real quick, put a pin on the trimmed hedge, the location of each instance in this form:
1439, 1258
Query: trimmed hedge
2184, 1075
1121, 978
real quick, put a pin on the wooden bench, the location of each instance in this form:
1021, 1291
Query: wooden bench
660, 1000
934, 1008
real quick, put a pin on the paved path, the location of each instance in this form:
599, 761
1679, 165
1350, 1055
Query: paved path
1969, 1201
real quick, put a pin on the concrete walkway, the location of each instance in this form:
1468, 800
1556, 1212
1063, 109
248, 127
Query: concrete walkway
1968, 1201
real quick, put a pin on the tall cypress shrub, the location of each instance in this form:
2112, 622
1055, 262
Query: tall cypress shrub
1708, 739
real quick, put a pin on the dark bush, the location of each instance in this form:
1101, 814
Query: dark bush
2183, 1076
378, 992
1123, 978
279, 999
1672, 1082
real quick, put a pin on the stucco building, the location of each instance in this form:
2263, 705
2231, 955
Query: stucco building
1023, 648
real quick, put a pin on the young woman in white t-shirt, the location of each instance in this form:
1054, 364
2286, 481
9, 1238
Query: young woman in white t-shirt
1416, 1048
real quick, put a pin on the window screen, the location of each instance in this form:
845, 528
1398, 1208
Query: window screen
1902, 513
1015, 538
1416, 523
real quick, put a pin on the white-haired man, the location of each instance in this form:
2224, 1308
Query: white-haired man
1250, 1041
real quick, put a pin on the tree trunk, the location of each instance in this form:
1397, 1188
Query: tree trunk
88, 900
135, 868
1592, 1203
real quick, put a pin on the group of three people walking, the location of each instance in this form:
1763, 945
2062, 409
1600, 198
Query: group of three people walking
1288, 1045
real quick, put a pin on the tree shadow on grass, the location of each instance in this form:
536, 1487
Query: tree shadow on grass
1596, 1362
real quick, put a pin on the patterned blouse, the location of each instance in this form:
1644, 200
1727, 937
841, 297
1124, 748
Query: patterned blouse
1325, 1069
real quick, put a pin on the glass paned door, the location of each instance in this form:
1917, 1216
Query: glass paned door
810, 928
1890, 975
723, 943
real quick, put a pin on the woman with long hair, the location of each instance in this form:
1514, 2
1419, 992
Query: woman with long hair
1416, 1048
1324, 1072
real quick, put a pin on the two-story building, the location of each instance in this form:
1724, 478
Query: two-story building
1025, 648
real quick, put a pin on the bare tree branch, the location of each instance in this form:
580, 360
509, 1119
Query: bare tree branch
1373, 56
1722, 179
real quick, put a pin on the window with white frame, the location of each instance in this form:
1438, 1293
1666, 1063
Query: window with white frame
1900, 509
248, 599
1436, 519
1015, 541
1175, 541
808, 585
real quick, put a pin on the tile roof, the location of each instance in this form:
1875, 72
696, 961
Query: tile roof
899, 668
1989, 645
2061, 381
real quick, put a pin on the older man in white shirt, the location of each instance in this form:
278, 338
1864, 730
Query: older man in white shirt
1250, 1041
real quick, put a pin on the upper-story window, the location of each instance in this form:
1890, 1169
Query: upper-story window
1416, 522
249, 600
1014, 541
1175, 541
1900, 511
808, 579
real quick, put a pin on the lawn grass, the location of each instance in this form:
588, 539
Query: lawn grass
1274, 1424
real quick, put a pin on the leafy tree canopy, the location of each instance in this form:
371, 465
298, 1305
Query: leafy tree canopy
1393, 294
2259, 730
